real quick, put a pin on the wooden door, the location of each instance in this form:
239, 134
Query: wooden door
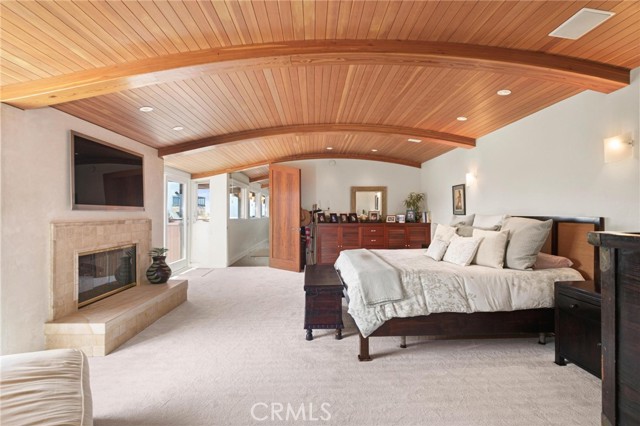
284, 222
349, 237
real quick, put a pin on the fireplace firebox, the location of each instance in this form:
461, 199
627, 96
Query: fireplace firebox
105, 272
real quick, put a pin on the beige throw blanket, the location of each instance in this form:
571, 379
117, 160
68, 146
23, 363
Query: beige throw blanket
380, 282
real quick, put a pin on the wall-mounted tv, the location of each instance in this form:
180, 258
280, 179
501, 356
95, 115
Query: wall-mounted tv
105, 177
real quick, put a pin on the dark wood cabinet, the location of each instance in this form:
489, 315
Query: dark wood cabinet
323, 300
620, 282
577, 325
332, 238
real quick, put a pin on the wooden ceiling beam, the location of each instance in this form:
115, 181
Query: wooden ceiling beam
101, 81
200, 145
313, 156
259, 178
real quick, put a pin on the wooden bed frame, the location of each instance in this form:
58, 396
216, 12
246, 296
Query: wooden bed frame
568, 238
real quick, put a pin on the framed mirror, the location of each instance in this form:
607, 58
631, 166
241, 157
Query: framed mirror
369, 198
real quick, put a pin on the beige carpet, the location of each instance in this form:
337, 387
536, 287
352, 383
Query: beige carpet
236, 351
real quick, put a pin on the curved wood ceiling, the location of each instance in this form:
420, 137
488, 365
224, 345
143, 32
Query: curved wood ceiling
308, 66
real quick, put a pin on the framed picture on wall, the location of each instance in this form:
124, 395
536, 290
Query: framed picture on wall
459, 201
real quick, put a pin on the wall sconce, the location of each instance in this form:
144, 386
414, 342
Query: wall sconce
470, 179
618, 148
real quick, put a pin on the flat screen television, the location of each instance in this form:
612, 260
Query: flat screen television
105, 177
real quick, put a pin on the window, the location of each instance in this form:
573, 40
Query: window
252, 204
264, 211
203, 207
236, 203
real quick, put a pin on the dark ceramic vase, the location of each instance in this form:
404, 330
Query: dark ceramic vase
159, 272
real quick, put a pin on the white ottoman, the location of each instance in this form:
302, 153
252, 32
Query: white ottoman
45, 388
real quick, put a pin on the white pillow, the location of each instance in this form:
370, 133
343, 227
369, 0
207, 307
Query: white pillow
462, 250
444, 232
462, 220
491, 250
436, 249
488, 221
526, 238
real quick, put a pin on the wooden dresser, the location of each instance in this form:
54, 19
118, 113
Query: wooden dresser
332, 238
620, 289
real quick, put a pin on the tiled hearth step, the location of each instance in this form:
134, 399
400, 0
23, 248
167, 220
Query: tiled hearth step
101, 327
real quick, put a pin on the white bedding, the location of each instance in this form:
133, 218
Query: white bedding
432, 287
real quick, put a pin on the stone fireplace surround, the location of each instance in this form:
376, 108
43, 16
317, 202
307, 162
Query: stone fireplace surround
100, 327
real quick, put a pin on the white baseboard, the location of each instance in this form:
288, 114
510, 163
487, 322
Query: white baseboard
246, 252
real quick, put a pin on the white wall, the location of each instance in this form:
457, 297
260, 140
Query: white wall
550, 163
328, 182
35, 191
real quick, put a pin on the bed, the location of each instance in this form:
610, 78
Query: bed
512, 303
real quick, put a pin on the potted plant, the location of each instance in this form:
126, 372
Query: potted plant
413, 202
159, 272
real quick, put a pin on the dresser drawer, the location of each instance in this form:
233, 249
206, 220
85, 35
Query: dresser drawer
369, 241
578, 308
373, 230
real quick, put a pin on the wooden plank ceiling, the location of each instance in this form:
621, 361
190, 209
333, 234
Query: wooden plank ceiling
255, 82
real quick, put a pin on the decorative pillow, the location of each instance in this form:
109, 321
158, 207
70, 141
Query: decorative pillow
444, 232
467, 231
526, 238
462, 250
549, 261
462, 220
488, 221
436, 249
491, 250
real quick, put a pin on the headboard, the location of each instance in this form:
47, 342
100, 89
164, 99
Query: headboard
568, 238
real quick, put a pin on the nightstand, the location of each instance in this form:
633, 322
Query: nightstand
577, 328
323, 299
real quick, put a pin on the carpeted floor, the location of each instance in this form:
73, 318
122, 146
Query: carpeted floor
235, 354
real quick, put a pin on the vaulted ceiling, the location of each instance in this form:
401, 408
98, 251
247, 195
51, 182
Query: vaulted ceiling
248, 83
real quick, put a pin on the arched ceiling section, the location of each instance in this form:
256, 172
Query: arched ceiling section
220, 69
182, 66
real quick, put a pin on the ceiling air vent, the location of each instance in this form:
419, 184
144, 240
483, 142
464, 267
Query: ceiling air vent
581, 23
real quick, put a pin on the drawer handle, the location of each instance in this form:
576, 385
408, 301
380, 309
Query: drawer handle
574, 306
374, 230
373, 241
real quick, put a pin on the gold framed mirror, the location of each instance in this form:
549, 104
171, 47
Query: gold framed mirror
369, 198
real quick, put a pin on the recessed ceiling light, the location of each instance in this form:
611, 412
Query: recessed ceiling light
146, 109
461, 118
504, 92
178, 128
414, 140
581, 23
329, 148
374, 150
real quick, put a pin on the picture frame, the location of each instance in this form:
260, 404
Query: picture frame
391, 218
459, 199
333, 217
353, 217
374, 215
400, 218
410, 216
344, 218
321, 218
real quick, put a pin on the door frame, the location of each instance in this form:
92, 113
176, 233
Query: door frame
183, 178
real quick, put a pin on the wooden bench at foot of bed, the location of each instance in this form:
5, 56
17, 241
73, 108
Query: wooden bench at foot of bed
477, 324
